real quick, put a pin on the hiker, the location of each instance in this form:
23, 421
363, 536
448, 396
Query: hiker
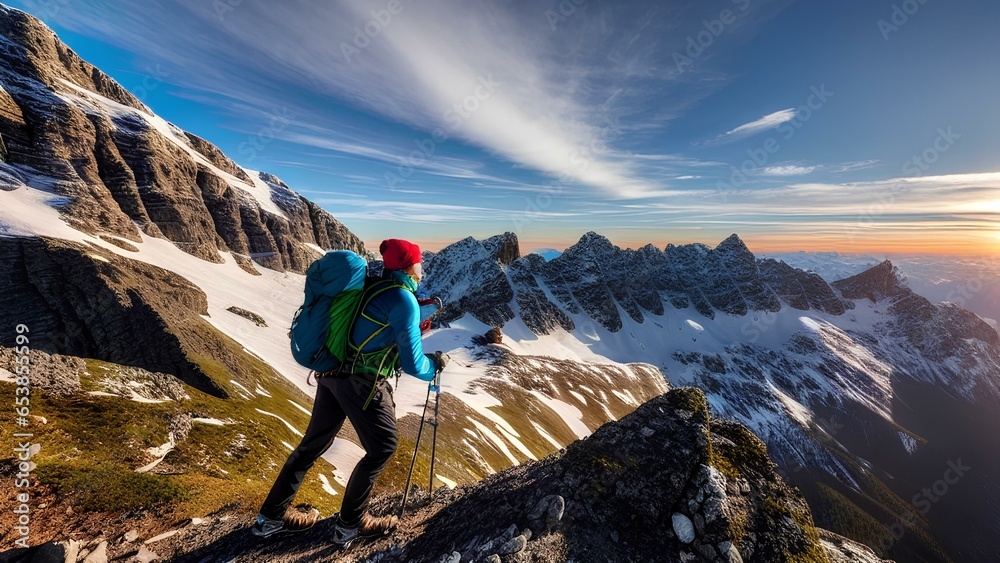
385, 337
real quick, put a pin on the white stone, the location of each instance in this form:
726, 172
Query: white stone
99, 555
683, 528
145, 555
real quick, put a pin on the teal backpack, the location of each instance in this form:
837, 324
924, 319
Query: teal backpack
320, 328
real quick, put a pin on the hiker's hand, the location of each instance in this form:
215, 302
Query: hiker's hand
439, 359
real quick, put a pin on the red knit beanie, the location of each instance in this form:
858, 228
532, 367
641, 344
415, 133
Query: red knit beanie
398, 254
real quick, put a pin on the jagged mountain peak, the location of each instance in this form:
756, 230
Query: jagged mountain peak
878, 282
649, 248
467, 276
33, 50
733, 243
504, 247
591, 241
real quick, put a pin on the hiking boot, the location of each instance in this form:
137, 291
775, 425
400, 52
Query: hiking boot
368, 527
372, 526
266, 527
301, 517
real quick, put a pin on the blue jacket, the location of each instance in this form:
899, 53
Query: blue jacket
398, 308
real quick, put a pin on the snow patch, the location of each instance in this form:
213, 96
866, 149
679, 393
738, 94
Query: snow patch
290, 427
327, 486
209, 421
541, 431
242, 390
343, 455
300, 407
497, 440
570, 414
447, 482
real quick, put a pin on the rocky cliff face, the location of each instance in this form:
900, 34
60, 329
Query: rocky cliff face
92, 303
69, 129
468, 276
800, 289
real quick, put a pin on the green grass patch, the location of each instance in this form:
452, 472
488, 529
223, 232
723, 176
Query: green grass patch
838, 513
111, 488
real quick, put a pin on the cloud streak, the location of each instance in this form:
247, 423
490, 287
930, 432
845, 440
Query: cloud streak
769, 121
475, 72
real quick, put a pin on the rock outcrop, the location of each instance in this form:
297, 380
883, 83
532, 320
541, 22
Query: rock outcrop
800, 289
664, 483
51, 374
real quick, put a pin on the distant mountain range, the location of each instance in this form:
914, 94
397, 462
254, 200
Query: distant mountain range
863, 389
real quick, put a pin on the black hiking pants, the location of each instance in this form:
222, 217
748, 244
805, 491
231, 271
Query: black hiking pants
337, 399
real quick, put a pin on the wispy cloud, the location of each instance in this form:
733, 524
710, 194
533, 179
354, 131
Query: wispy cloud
415, 212
787, 170
800, 170
852, 166
470, 71
769, 121
494, 76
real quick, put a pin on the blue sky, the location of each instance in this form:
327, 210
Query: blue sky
793, 123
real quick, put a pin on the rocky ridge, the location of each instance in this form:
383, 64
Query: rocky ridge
70, 130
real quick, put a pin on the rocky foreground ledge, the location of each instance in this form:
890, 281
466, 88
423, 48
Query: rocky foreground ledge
665, 483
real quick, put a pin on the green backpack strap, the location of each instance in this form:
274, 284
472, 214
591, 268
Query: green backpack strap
369, 294
380, 363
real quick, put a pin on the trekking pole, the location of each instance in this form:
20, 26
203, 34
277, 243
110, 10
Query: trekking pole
416, 448
434, 424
